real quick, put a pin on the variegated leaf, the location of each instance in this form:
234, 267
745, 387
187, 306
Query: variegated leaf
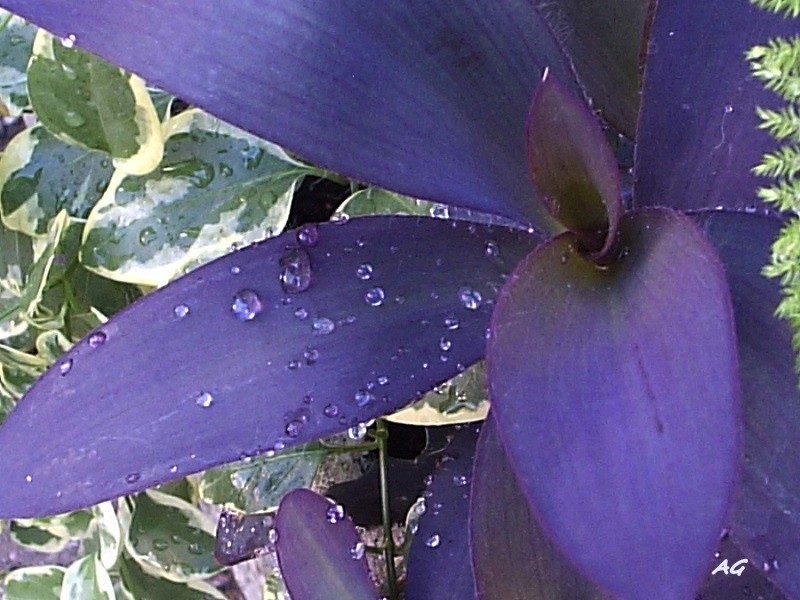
16, 41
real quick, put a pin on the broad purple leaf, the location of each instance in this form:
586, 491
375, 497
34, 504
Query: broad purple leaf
438, 563
573, 166
766, 520
424, 98
511, 557
182, 380
604, 41
616, 396
319, 551
698, 132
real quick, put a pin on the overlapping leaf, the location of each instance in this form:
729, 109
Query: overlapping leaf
220, 387
16, 42
613, 390
42, 583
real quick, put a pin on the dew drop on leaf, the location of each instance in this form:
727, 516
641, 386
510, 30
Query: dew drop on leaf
295, 271
65, 367
445, 344
180, 310
246, 305
331, 410
374, 296
147, 235
357, 432
433, 541
204, 399
471, 299
322, 326
460, 480
452, 322
132, 478
491, 249
364, 271
357, 551
311, 355
335, 513
363, 398
293, 428
301, 313
73, 119
308, 235
97, 339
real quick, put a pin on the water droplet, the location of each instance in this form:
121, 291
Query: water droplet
771, 565
357, 551
363, 397
433, 541
374, 296
340, 218
160, 544
728, 109
301, 313
308, 235
357, 432
564, 258
445, 344
364, 271
470, 298
295, 271
335, 513
235, 270
204, 399
28, 478
451, 322
420, 507
132, 478
65, 367
293, 428
173, 469
73, 119
69, 41
195, 548
246, 305
97, 339
147, 235
272, 536
293, 365
383, 380
180, 310
311, 355
322, 326
331, 410
491, 249
440, 211
460, 480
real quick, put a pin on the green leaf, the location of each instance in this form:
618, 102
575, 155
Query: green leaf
34, 583
377, 201
40, 175
463, 399
217, 188
36, 538
87, 579
144, 586
86, 101
50, 345
106, 534
170, 538
258, 484
16, 259
50, 534
16, 42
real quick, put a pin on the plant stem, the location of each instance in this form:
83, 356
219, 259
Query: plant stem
382, 437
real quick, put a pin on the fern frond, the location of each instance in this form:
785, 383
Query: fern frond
785, 196
790, 8
783, 124
777, 64
783, 163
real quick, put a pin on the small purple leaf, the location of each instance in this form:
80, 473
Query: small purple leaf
511, 557
243, 536
223, 363
438, 563
319, 551
766, 518
698, 135
424, 98
573, 166
624, 425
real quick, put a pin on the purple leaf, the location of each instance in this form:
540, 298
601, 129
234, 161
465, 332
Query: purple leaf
438, 563
182, 380
320, 554
424, 98
604, 41
698, 132
573, 166
511, 557
766, 520
616, 396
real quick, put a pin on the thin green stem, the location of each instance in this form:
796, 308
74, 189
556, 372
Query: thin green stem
382, 437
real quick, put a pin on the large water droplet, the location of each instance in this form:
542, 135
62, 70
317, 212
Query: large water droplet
445, 344
470, 298
364, 271
331, 410
335, 513
433, 541
357, 551
374, 296
363, 397
308, 235
293, 428
147, 236
340, 218
160, 544
73, 119
295, 271
180, 310
452, 322
65, 367
97, 339
246, 305
357, 432
204, 399
322, 326
69, 41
